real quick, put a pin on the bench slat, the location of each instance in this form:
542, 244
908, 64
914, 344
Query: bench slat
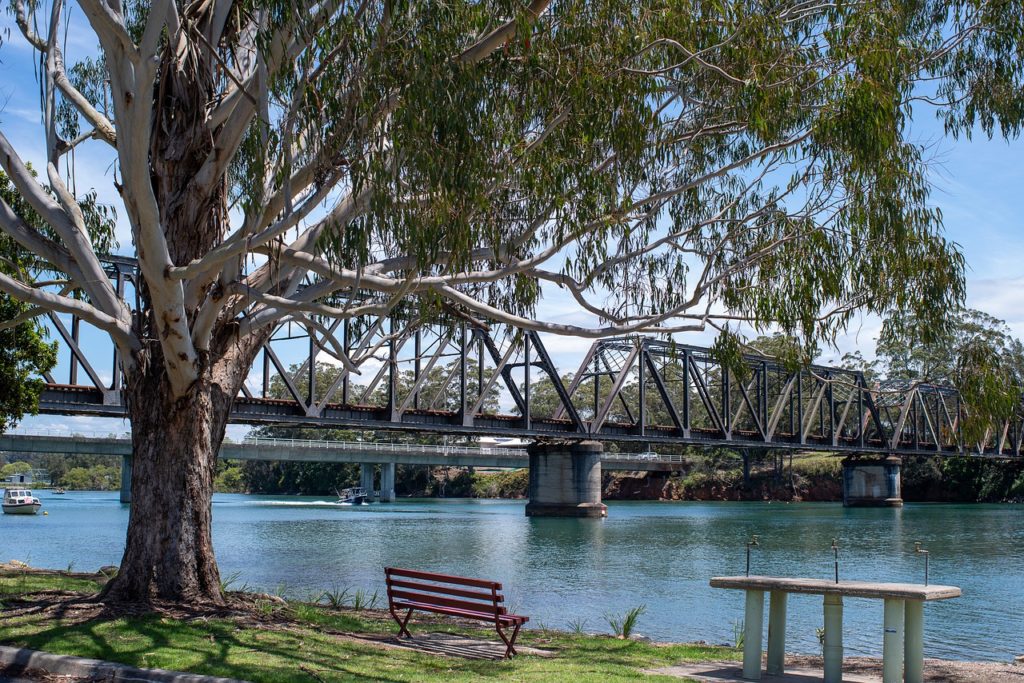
443, 578
465, 613
447, 590
427, 598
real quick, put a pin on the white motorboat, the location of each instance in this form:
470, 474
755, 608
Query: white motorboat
354, 496
20, 502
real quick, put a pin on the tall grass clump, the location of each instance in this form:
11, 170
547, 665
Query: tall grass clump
622, 626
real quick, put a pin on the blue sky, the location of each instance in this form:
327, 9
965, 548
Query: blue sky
977, 184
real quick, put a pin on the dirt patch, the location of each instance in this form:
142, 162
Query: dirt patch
804, 669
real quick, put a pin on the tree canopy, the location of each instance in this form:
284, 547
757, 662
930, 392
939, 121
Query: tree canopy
746, 155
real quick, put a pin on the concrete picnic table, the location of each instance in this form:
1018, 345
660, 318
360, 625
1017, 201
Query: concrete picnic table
902, 622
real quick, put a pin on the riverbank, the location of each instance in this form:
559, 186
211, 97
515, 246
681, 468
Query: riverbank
260, 637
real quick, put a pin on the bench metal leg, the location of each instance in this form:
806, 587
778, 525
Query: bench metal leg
777, 633
402, 630
833, 647
510, 643
892, 642
913, 642
753, 633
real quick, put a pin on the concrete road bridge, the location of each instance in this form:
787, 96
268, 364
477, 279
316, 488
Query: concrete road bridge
488, 379
367, 454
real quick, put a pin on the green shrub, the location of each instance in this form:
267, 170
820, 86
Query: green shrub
512, 484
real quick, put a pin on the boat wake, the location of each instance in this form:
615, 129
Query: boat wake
304, 503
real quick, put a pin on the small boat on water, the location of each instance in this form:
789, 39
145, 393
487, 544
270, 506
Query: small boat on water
20, 502
354, 496
58, 492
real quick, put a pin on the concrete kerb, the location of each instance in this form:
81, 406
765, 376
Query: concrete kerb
17, 660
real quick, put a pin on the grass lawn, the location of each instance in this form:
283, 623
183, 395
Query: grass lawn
275, 641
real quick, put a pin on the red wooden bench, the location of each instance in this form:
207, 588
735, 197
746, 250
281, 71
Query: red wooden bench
455, 596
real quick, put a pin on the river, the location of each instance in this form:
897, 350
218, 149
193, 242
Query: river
562, 572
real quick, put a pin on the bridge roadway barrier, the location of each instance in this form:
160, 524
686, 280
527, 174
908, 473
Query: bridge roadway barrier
565, 477
300, 450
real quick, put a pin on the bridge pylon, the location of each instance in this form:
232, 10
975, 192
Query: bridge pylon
126, 478
872, 481
565, 480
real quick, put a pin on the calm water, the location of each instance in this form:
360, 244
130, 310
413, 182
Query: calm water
560, 571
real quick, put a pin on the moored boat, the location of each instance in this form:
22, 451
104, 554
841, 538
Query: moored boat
20, 502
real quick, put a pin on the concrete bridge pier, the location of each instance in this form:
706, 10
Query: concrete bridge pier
565, 480
387, 482
126, 478
872, 482
366, 477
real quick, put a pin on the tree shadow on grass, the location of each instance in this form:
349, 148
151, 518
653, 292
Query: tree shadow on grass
220, 648
277, 647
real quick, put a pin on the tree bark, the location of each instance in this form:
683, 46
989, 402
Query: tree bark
169, 550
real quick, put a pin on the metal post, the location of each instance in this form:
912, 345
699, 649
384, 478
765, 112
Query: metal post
913, 641
345, 333
753, 632
463, 379
751, 542
835, 545
777, 633
726, 404
921, 551
75, 324
833, 646
311, 370
480, 366
115, 383
892, 642
527, 362
686, 393
417, 368
642, 391
266, 373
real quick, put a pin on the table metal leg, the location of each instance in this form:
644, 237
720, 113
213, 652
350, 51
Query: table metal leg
913, 642
777, 632
892, 642
833, 649
753, 632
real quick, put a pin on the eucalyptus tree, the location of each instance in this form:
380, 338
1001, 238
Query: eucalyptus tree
670, 166
975, 353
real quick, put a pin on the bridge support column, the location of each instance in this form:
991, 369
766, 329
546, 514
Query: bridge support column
872, 482
366, 477
387, 482
565, 480
126, 478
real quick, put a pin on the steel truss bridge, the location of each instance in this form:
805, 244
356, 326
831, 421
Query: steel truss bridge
499, 381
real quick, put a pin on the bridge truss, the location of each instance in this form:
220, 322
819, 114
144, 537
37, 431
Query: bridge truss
468, 378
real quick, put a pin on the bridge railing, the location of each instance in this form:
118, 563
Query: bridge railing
641, 457
385, 447
69, 434
443, 450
